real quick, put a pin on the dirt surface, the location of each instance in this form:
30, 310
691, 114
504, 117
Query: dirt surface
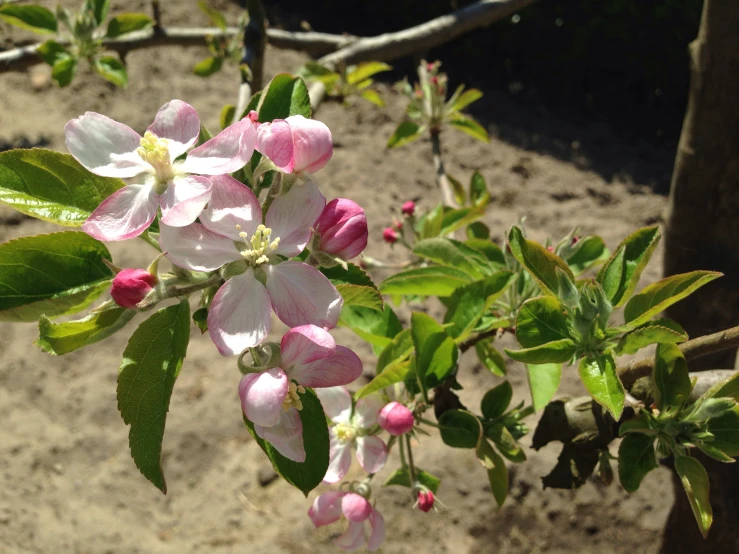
67, 482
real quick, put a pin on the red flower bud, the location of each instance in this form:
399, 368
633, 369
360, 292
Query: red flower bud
434, 80
430, 66
574, 241
425, 501
130, 286
343, 229
389, 235
408, 208
253, 116
396, 419
398, 224
550, 248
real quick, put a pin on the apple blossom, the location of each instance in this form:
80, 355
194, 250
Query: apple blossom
396, 419
331, 506
341, 230
111, 149
408, 208
130, 286
389, 235
309, 357
425, 500
295, 144
231, 236
351, 428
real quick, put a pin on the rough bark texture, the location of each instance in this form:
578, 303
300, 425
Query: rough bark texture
702, 232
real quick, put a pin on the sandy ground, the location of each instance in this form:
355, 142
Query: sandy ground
67, 482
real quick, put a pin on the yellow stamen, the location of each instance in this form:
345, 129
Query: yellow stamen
345, 432
259, 246
292, 400
155, 151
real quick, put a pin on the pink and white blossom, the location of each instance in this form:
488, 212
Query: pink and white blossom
111, 149
231, 233
295, 144
341, 229
309, 357
350, 428
130, 286
366, 524
396, 419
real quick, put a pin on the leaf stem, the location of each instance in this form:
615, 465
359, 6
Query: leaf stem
411, 465
147, 238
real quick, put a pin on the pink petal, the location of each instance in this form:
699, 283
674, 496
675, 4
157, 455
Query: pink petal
178, 122
336, 402
343, 229
342, 368
326, 508
105, 147
353, 537
340, 458
286, 436
292, 215
228, 151
184, 199
305, 344
355, 507
231, 204
275, 141
262, 395
377, 535
239, 316
125, 214
301, 295
371, 453
367, 410
195, 247
312, 144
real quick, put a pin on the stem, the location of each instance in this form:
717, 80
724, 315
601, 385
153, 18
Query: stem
442, 182
147, 238
428, 422
252, 58
411, 466
189, 289
403, 463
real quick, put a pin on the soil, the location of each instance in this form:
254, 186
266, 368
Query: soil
67, 482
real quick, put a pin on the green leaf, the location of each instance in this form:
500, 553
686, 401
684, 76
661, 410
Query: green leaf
585, 254
600, 378
313, 71
492, 251
456, 219
541, 320
460, 196
725, 431
406, 132
452, 253
99, 9
429, 225
200, 318
491, 358
543, 382
657, 297
710, 408
635, 459
505, 442
208, 66
63, 70
540, 263
469, 126
373, 96
306, 475
470, 302
557, 351
215, 16
54, 274
395, 372
619, 276
227, 115
150, 366
477, 231
365, 71
436, 353
112, 69
695, 482
355, 286
376, 327
51, 186
671, 379
284, 96
32, 18
496, 469
465, 99
460, 429
709, 450
51, 52
399, 349
425, 281
128, 23
727, 388
402, 477
496, 400
479, 195
58, 339
660, 331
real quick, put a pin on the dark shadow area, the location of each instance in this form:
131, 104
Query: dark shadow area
23, 142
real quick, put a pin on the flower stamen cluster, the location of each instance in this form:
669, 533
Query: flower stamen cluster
155, 152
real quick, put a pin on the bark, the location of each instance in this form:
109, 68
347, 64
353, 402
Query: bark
702, 232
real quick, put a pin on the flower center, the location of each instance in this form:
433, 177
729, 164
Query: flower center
155, 151
292, 400
345, 432
259, 246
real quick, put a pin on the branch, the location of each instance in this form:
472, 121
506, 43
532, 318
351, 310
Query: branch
447, 196
316, 43
692, 349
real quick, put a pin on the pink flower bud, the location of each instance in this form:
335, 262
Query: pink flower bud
389, 235
295, 144
408, 208
130, 286
575, 240
342, 227
355, 507
396, 419
434, 80
398, 224
425, 501
253, 117
430, 66
550, 248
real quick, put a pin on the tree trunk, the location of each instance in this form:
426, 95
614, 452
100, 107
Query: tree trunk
702, 232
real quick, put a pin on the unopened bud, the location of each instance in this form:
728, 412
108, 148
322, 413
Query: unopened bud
342, 229
574, 241
253, 116
408, 208
396, 419
130, 286
425, 500
434, 80
550, 248
398, 224
389, 235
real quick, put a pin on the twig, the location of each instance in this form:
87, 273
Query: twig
252, 58
442, 181
692, 349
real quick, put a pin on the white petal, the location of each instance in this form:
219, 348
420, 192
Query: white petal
262, 395
231, 204
195, 247
340, 458
371, 453
125, 214
326, 508
239, 316
353, 537
377, 533
228, 151
184, 199
305, 344
292, 216
301, 295
341, 368
336, 402
286, 436
178, 122
366, 410
104, 146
